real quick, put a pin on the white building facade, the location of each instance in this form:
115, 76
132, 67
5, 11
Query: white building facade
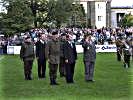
100, 13
2, 9
100, 18
97, 12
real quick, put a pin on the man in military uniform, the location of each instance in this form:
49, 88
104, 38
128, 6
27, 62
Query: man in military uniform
27, 55
119, 46
89, 57
127, 53
52, 53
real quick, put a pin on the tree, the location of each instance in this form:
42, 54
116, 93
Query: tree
24, 14
127, 21
52, 11
18, 18
78, 15
63, 11
39, 10
59, 11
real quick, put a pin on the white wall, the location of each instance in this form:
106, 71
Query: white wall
99, 48
113, 19
100, 10
2, 9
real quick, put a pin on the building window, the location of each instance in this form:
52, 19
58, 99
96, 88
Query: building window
99, 18
98, 6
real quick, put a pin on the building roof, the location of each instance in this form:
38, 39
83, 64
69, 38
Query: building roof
127, 7
93, 0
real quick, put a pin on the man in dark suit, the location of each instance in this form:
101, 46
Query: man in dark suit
89, 57
40, 55
70, 55
62, 59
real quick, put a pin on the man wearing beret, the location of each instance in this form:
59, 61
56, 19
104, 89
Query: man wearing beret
52, 54
27, 55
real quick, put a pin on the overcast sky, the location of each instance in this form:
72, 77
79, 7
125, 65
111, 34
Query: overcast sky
122, 3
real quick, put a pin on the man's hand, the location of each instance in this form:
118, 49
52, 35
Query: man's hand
66, 61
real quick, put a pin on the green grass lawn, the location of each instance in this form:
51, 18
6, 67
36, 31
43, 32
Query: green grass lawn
112, 81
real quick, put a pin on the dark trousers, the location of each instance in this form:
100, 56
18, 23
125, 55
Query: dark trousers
126, 60
118, 56
28, 68
53, 71
1, 51
41, 68
89, 70
62, 66
132, 53
69, 72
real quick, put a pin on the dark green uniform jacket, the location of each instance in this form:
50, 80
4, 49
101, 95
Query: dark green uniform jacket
52, 51
27, 51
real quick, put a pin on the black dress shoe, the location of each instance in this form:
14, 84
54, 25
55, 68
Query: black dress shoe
29, 78
40, 78
43, 77
54, 84
70, 82
90, 80
51, 83
62, 75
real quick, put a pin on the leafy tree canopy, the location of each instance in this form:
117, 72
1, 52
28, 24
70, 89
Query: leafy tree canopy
127, 21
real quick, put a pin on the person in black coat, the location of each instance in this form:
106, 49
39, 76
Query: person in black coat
40, 55
70, 55
62, 59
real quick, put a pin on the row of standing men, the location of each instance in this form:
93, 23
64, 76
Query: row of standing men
60, 52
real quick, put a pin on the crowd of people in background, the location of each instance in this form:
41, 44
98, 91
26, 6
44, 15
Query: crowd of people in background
100, 36
103, 36
3, 45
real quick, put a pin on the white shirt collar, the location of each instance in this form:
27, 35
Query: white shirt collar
42, 41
